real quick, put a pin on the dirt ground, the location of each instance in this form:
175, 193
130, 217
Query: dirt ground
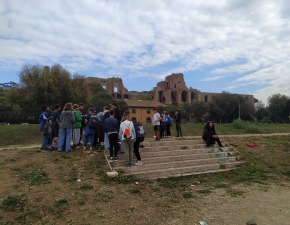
99, 200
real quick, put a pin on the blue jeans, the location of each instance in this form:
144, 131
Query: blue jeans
65, 135
106, 140
91, 137
44, 140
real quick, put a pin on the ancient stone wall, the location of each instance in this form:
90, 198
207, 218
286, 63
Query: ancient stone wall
172, 91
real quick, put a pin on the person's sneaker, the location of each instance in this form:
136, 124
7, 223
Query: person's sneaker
139, 163
85, 148
91, 148
221, 146
111, 159
127, 164
132, 164
116, 158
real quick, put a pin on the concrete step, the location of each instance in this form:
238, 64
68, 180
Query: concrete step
176, 158
175, 147
160, 163
153, 154
170, 143
184, 171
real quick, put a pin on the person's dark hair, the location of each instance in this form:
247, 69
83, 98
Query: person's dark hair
125, 118
154, 109
115, 104
75, 106
43, 108
166, 114
82, 104
92, 110
177, 111
67, 106
112, 112
207, 125
92, 107
126, 113
81, 110
109, 107
57, 106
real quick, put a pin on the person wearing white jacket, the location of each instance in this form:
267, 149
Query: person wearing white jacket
128, 136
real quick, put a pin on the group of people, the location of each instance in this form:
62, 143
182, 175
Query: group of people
118, 133
162, 124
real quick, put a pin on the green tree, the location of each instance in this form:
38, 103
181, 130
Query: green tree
215, 112
101, 99
8, 109
146, 96
199, 108
261, 111
277, 104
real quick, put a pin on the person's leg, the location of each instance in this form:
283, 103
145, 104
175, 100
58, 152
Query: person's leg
76, 137
85, 140
122, 150
111, 141
68, 137
61, 139
81, 134
126, 149
208, 141
219, 142
92, 136
177, 129
56, 132
115, 144
136, 149
131, 149
106, 140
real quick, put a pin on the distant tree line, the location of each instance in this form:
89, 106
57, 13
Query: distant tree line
43, 85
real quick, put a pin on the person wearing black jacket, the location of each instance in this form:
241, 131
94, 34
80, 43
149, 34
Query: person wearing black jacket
177, 118
210, 136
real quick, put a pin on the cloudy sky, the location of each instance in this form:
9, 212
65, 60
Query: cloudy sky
239, 46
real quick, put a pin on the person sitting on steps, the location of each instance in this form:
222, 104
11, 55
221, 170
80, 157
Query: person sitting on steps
210, 136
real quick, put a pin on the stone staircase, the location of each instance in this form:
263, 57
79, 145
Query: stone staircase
179, 158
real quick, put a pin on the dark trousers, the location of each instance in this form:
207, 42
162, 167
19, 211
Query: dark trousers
136, 147
168, 132
54, 133
162, 130
178, 129
113, 140
211, 141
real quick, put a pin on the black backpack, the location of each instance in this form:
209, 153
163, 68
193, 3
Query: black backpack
140, 132
93, 121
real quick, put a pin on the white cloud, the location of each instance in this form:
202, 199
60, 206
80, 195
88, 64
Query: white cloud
152, 38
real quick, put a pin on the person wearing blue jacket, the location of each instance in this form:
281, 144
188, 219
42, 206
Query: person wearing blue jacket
112, 129
42, 120
168, 124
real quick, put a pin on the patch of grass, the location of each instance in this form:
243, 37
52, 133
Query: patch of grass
37, 177
287, 173
13, 203
28, 217
126, 179
60, 202
235, 193
135, 191
203, 191
167, 183
187, 194
85, 187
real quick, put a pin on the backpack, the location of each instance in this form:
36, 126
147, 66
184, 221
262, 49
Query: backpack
140, 131
93, 121
128, 132
46, 128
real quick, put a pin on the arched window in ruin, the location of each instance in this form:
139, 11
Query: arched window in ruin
184, 96
126, 97
115, 89
160, 94
133, 119
192, 96
173, 97
119, 96
247, 98
113, 95
148, 120
206, 98
163, 99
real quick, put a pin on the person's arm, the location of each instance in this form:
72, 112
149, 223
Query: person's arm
134, 133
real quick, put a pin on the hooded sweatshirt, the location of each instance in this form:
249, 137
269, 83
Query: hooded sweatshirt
67, 118
78, 117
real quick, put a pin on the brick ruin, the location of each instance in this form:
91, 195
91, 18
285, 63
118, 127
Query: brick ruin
172, 91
